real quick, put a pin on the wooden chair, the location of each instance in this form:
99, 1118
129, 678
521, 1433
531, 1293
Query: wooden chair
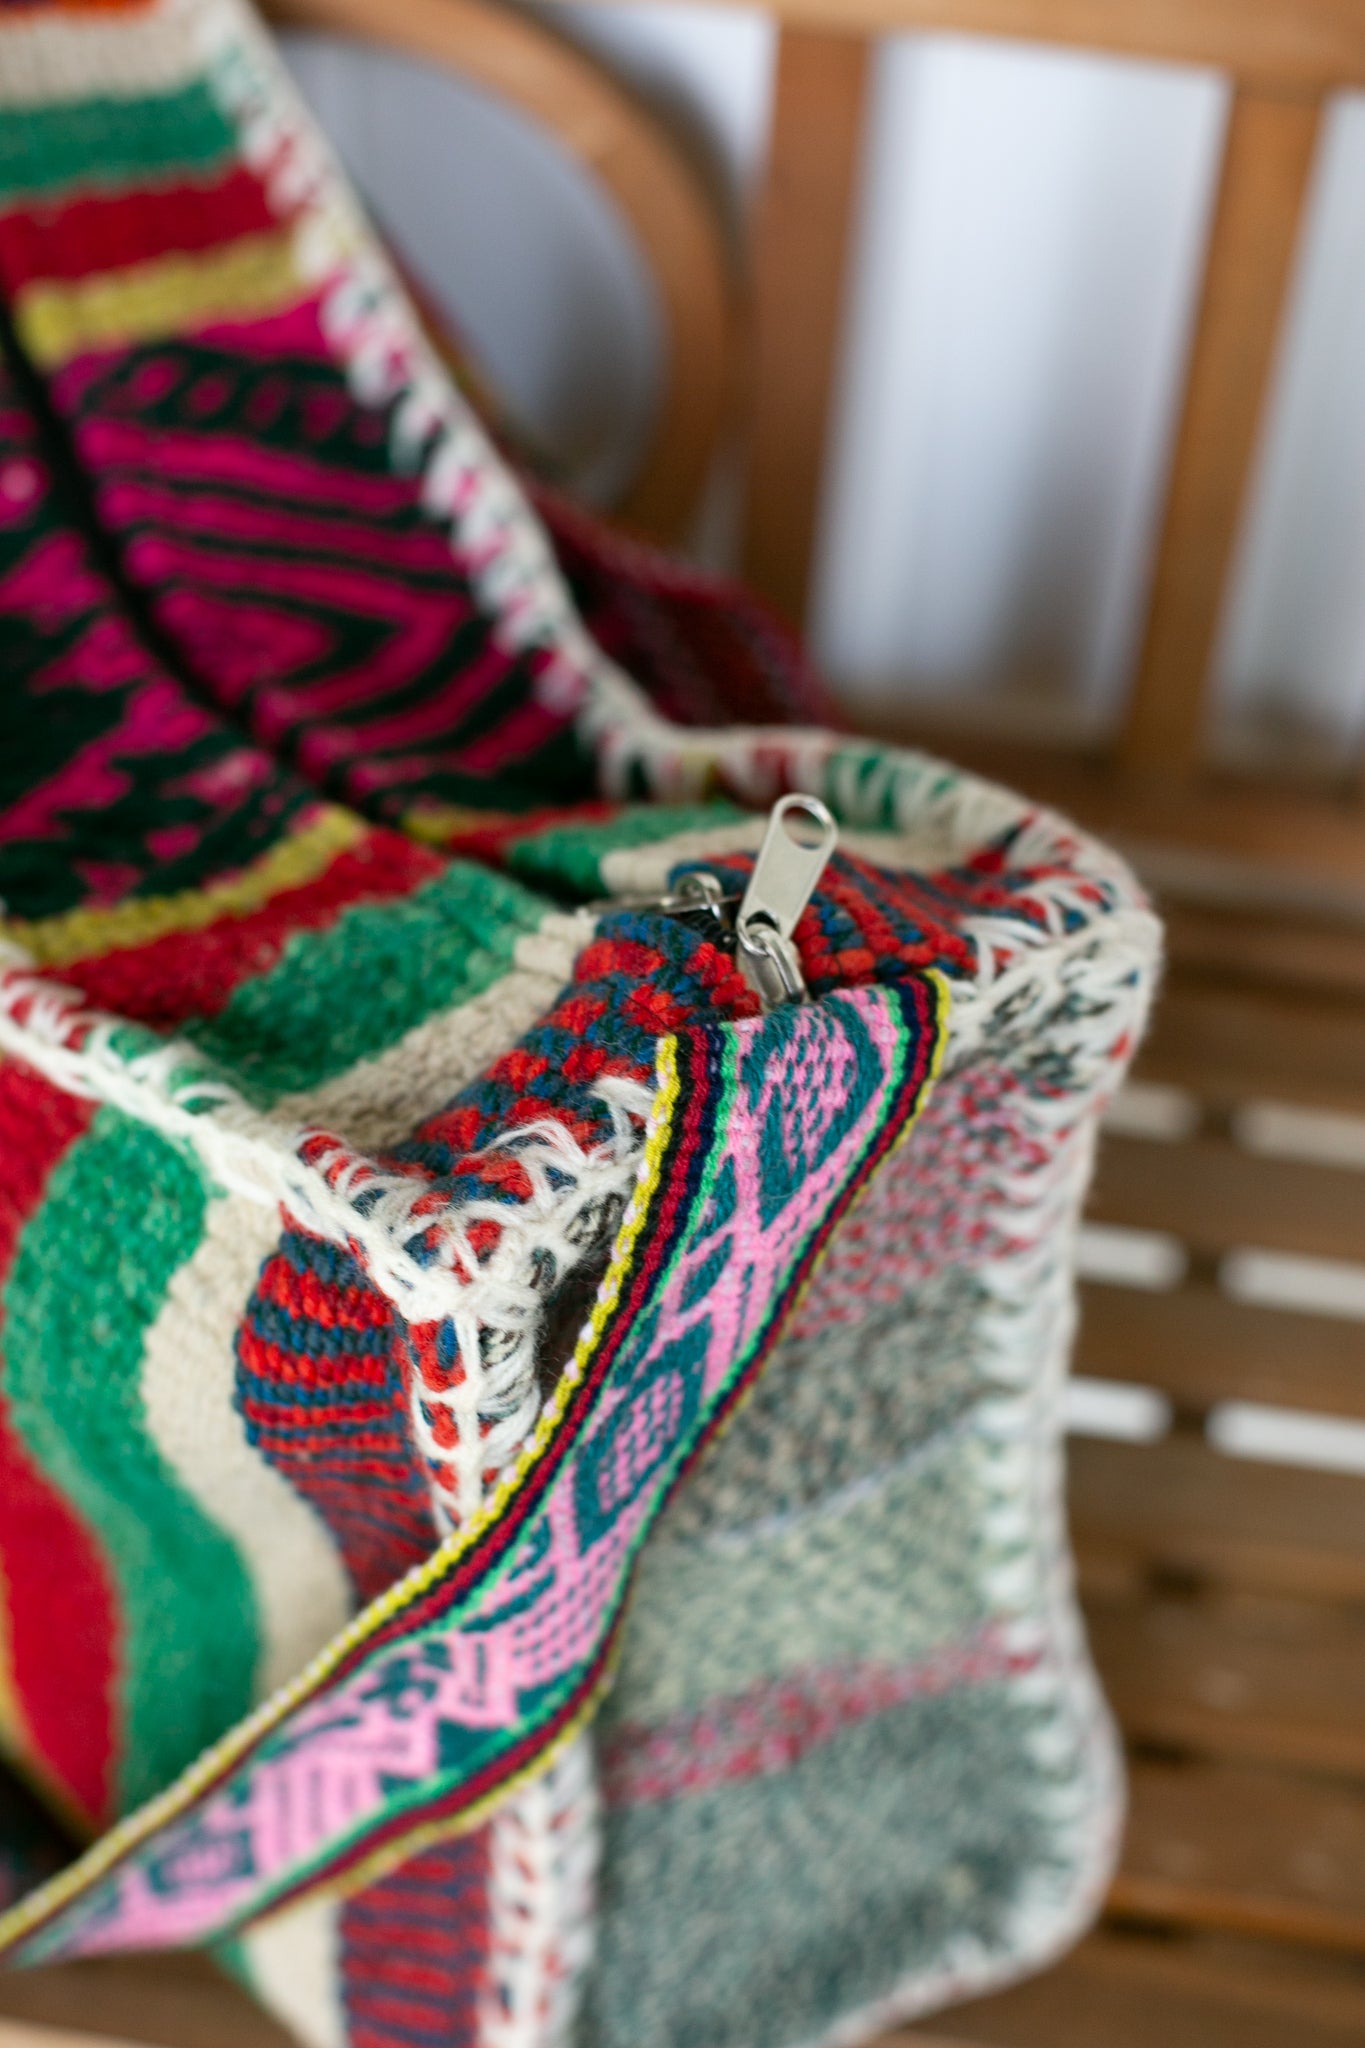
1226, 1596
649, 179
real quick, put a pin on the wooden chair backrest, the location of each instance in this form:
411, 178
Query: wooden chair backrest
1284, 58
647, 176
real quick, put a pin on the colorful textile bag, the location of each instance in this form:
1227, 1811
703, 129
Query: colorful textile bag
406, 1255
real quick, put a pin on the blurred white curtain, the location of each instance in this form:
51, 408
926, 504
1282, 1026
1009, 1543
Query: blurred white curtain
1031, 231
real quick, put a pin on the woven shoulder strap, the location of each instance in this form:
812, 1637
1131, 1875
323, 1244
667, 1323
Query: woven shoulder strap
468, 1676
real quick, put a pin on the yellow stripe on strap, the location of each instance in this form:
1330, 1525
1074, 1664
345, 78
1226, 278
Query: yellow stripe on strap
79, 934
255, 275
437, 824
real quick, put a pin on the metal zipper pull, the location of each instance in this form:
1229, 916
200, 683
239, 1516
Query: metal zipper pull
796, 847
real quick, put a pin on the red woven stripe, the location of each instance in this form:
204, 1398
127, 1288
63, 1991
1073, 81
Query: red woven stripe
363, 1452
284, 1368
417, 1940
274, 1413
408, 1992
361, 2035
100, 232
304, 1431
287, 1370
414, 1949
192, 974
90, 6
330, 1305
61, 1619
333, 1483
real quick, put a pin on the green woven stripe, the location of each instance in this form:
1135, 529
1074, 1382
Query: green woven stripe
863, 787
349, 992
124, 1210
110, 142
571, 856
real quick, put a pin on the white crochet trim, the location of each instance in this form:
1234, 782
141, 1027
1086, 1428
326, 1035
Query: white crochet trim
1086, 998
1073, 982
871, 787
495, 1299
497, 1323
544, 1851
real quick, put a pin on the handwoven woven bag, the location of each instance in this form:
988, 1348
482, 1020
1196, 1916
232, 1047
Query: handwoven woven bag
452, 1182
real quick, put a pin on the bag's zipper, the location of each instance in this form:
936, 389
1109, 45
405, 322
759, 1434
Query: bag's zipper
758, 926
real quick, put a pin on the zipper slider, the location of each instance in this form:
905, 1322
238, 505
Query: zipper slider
796, 847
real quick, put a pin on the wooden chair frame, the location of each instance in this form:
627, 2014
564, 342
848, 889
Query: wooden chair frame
645, 174
1284, 58
770, 346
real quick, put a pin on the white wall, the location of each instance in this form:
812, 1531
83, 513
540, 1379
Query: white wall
1031, 229
1031, 226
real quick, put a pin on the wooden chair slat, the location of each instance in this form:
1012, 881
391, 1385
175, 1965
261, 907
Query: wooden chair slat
24, 2034
179, 2000
1216, 1197
1201, 1346
1268, 157
1130, 1990
802, 237
1224, 833
1314, 45
1249, 1850
196, 2007
1251, 1680
1297, 953
1235, 1044
1180, 1507
645, 173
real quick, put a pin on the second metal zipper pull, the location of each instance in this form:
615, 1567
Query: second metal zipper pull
796, 847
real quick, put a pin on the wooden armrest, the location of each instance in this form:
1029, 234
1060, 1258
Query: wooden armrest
647, 176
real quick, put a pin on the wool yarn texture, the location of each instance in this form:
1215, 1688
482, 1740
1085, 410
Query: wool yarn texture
530, 1488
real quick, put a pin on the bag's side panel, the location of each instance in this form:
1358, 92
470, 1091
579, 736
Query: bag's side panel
857, 1763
